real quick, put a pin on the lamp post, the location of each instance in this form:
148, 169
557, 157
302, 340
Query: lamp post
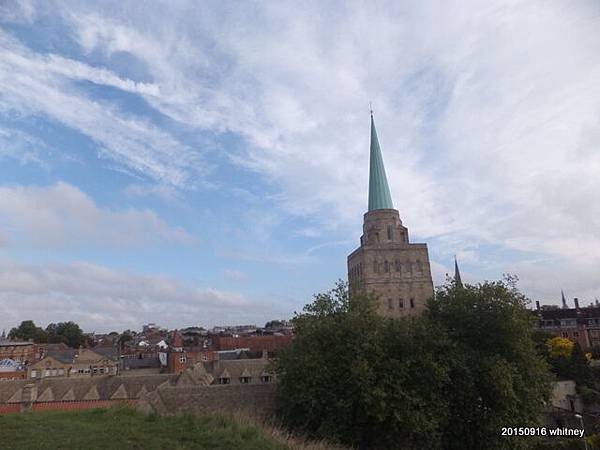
580, 417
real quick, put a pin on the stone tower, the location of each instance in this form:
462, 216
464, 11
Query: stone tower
386, 263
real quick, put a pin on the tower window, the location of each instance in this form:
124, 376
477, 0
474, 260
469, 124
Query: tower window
401, 303
412, 302
390, 304
398, 266
390, 232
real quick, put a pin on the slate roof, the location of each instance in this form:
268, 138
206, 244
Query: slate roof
141, 363
235, 369
93, 388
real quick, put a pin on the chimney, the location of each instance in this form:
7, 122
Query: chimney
576, 301
537, 305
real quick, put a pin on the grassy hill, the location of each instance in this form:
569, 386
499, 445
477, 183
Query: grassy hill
124, 428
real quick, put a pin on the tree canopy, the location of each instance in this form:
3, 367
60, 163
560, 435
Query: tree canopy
449, 379
67, 332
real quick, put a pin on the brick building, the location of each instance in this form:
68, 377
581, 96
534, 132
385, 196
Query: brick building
76, 363
580, 324
21, 351
12, 370
272, 344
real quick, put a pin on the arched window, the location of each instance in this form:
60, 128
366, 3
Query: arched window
386, 266
412, 302
390, 233
401, 303
398, 266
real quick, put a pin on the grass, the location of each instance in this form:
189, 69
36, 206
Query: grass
127, 429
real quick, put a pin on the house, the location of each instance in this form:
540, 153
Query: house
240, 371
580, 324
20, 351
12, 370
76, 363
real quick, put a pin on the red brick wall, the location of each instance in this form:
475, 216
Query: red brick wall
254, 343
88, 404
174, 364
14, 375
66, 406
10, 408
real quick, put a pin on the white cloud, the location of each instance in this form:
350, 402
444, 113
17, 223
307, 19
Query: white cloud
235, 275
103, 299
487, 112
62, 216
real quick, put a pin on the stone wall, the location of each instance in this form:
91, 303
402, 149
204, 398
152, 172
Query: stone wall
188, 393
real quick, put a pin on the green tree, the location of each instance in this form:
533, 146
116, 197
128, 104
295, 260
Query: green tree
28, 330
498, 377
355, 377
67, 332
450, 379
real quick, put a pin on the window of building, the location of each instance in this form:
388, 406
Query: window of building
564, 334
204, 357
390, 304
224, 380
386, 266
390, 233
419, 266
245, 380
412, 302
265, 379
33, 373
401, 303
182, 359
398, 266
47, 373
575, 333
61, 372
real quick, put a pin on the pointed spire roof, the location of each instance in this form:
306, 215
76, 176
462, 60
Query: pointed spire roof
379, 191
457, 278
564, 300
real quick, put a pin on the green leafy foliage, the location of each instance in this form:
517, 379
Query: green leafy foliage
450, 379
28, 330
66, 332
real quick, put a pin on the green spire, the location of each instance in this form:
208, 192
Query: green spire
379, 191
457, 279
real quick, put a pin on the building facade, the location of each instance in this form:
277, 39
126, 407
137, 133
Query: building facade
579, 324
387, 265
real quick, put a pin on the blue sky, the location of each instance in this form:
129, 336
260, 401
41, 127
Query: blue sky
189, 165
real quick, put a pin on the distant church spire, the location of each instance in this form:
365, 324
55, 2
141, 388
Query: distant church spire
457, 279
379, 191
564, 300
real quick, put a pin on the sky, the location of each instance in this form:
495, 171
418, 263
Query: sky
192, 163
